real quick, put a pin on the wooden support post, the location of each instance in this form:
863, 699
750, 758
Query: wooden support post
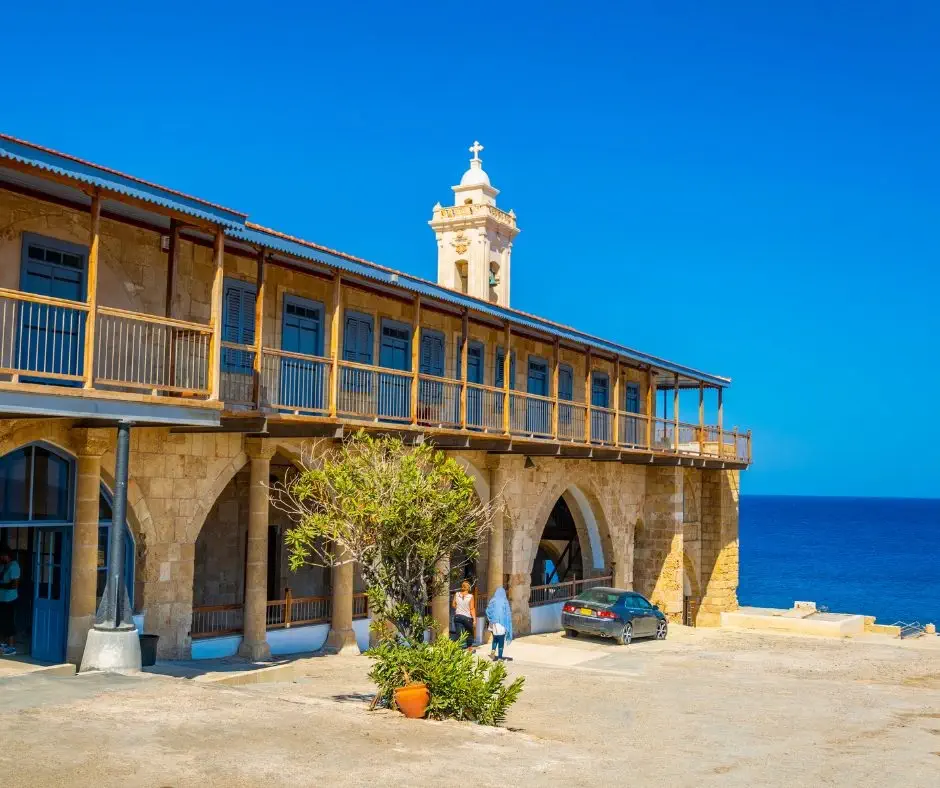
288, 604
507, 367
334, 342
617, 402
555, 373
91, 320
587, 395
215, 315
721, 410
650, 406
675, 412
258, 360
415, 359
701, 418
171, 260
464, 358
748, 447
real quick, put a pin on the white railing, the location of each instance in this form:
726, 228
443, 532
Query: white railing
530, 414
295, 382
571, 418
438, 401
632, 430
373, 393
485, 408
154, 354
602, 425
41, 338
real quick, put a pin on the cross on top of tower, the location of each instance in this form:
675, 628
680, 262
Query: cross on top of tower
475, 150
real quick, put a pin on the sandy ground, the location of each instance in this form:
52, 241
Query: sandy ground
705, 707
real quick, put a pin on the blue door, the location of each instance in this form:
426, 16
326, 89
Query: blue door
395, 353
600, 398
238, 326
51, 337
632, 405
475, 367
565, 396
436, 401
356, 385
538, 418
302, 381
51, 573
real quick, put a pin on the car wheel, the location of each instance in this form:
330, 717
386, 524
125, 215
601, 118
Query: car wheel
571, 633
625, 635
661, 630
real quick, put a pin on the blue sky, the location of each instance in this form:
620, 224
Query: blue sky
749, 188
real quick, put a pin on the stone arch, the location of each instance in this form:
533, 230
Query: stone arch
689, 573
590, 522
208, 499
481, 484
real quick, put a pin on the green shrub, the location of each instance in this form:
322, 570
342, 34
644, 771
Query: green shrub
461, 685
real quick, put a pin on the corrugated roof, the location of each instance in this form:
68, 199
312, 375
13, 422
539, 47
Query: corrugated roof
260, 236
105, 178
237, 227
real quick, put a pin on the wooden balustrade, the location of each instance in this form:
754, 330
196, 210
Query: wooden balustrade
560, 592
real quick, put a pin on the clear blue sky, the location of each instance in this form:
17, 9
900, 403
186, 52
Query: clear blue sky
749, 188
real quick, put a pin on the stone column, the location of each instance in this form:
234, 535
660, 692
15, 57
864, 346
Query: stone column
659, 546
719, 545
342, 638
90, 445
495, 552
254, 641
440, 602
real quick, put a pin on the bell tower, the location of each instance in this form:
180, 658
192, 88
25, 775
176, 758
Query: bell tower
474, 237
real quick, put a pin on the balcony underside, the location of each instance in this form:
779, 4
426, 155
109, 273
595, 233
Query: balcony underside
102, 408
276, 425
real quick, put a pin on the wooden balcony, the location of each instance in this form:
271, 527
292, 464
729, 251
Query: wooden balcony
301, 387
51, 347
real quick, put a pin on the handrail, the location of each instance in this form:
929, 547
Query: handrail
484, 387
20, 295
202, 328
270, 351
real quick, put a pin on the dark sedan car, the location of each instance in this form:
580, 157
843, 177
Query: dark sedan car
613, 613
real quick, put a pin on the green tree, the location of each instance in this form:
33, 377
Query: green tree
398, 511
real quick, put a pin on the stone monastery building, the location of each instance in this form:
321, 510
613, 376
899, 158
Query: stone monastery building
216, 348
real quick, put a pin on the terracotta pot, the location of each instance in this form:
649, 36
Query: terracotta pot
412, 700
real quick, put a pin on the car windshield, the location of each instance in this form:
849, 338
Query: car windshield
599, 596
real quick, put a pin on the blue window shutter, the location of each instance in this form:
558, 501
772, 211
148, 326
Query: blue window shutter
565, 383
600, 393
632, 398
238, 324
432, 353
357, 339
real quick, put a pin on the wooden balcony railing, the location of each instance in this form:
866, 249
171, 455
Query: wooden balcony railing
294, 382
291, 611
152, 354
571, 417
485, 408
41, 338
530, 414
438, 402
560, 592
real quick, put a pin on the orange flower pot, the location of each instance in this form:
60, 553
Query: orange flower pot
412, 700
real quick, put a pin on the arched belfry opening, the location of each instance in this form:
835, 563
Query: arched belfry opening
559, 557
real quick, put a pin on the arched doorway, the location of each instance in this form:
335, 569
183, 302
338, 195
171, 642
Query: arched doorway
559, 557
37, 517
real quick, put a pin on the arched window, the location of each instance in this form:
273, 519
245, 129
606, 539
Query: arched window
35, 486
104, 545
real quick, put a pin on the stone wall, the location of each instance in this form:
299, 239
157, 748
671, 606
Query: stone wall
659, 558
719, 551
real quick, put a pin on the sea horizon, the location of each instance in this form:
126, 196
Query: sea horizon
870, 555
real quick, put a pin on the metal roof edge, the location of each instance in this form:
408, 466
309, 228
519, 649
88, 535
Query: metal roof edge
271, 239
96, 175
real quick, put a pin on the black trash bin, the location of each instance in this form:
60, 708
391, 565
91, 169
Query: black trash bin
148, 650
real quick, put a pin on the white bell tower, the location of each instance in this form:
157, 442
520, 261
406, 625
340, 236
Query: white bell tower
474, 237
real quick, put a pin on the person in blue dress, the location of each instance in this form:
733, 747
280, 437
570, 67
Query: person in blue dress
499, 622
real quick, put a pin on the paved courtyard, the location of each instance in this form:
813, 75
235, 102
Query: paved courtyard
705, 707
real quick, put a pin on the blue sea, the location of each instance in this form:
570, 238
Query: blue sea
874, 556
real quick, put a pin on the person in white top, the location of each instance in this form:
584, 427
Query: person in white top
465, 613
9, 582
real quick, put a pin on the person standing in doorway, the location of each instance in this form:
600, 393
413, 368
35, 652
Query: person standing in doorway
9, 583
465, 612
499, 622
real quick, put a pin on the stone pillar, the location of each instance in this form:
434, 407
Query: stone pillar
440, 602
254, 641
495, 552
342, 638
659, 546
719, 545
90, 444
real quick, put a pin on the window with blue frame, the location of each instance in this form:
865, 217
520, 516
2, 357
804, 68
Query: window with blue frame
238, 325
565, 383
632, 405
104, 547
601, 421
